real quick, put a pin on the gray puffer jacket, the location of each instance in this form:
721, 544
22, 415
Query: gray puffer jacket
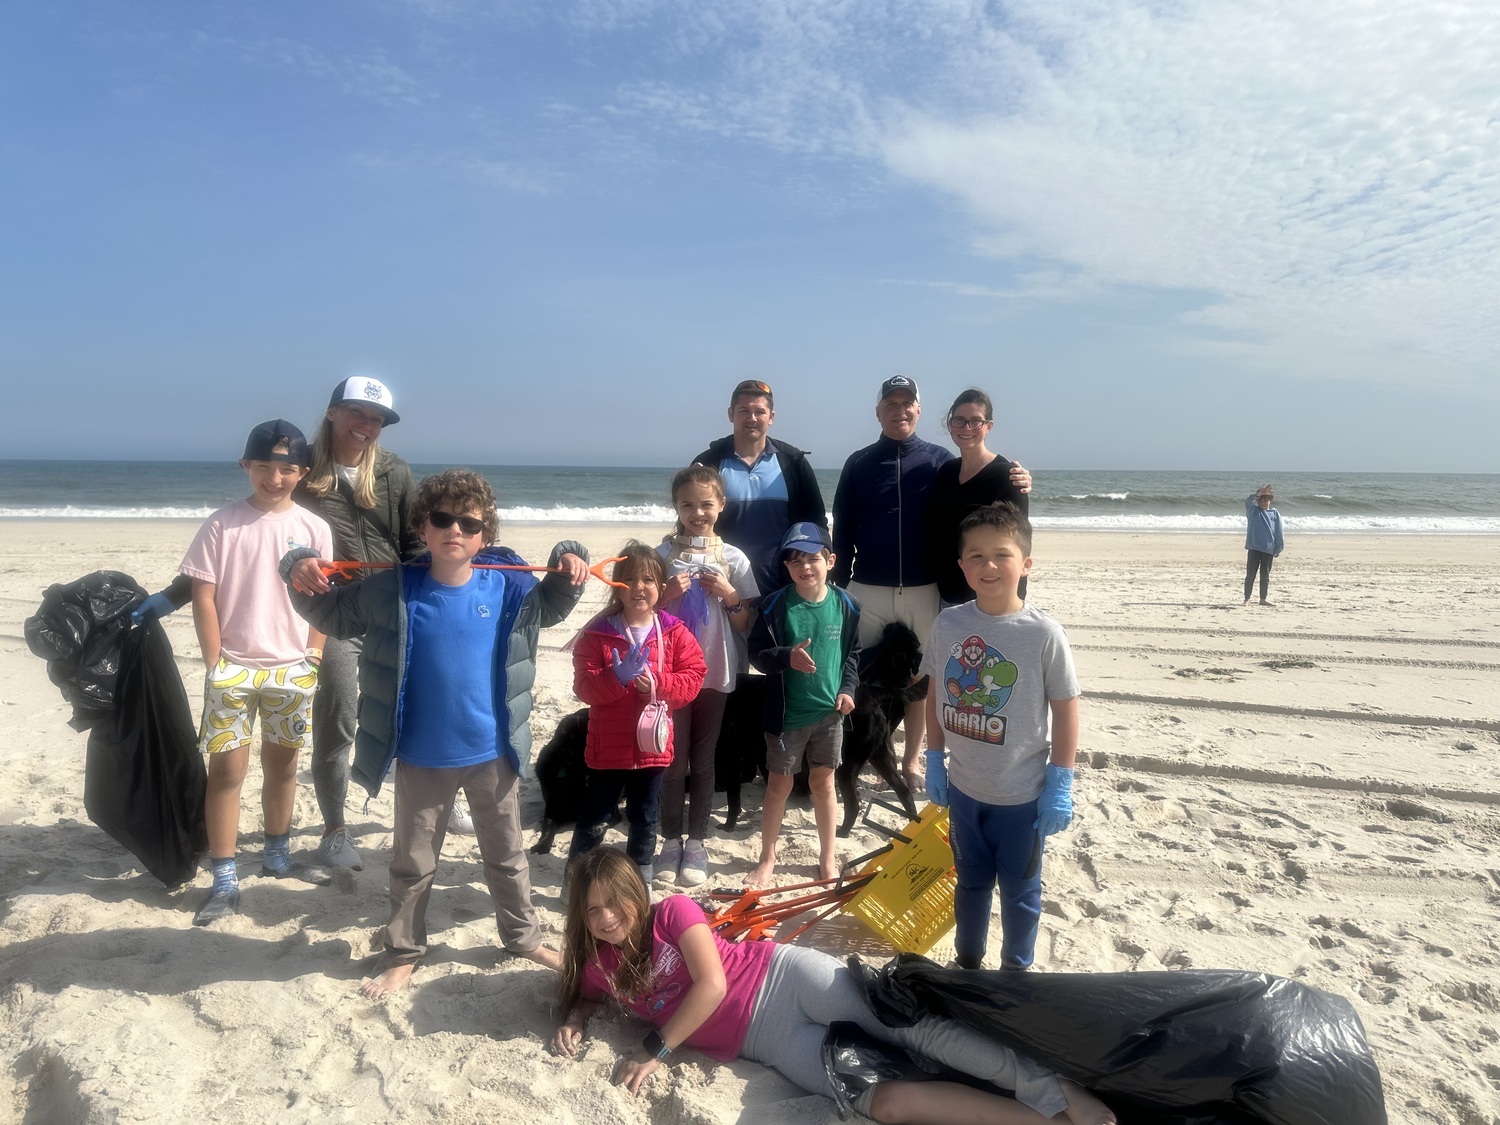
377, 610
379, 534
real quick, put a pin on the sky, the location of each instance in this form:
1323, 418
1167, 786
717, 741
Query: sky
1183, 234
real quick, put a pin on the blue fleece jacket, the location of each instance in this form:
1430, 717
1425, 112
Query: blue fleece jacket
880, 513
1262, 528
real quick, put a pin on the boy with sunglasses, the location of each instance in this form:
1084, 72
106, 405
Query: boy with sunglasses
445, 692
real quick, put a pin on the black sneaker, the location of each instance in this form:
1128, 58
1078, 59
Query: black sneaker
220, 904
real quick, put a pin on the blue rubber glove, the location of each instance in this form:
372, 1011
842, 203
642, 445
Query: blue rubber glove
631, 665
1055, 806
937, 778
157, 605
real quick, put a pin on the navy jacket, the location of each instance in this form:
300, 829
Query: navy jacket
880, 513
771, 650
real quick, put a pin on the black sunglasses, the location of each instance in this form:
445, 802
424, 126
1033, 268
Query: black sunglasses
444, 520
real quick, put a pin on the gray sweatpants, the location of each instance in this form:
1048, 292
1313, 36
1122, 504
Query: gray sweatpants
806, 990
334, 718
424, 798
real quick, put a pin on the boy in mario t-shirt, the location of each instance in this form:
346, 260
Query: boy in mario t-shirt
998, 668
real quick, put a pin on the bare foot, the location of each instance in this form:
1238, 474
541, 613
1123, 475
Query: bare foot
1084, 1108
545, 956
828, 869
392, 980
761, 876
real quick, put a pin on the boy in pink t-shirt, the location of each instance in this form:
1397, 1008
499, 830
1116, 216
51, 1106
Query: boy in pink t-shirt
261, 657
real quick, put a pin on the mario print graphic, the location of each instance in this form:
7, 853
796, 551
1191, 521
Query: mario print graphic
977, 685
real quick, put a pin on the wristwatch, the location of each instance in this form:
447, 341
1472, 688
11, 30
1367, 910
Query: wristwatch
655, 1045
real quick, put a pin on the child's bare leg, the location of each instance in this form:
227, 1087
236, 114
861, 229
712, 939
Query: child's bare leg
947, 1103
825, 813
393, 979
778, 788
1083, 1107
278, 791
221, 805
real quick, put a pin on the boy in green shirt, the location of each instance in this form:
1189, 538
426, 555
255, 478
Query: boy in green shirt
806, 641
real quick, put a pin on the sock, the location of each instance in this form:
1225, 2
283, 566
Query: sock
278, 853
226, 877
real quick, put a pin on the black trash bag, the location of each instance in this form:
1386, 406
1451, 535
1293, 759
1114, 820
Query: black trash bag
856, 1061
78, 631
145, 782
1197, 1047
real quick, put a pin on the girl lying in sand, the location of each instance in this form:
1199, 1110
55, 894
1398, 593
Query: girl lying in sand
771, 1004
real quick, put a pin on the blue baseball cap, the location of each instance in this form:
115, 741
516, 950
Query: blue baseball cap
809, 538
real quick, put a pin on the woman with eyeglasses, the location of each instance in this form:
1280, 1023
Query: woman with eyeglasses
978, 477
365, 493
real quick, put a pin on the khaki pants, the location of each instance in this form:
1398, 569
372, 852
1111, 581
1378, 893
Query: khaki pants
424, 798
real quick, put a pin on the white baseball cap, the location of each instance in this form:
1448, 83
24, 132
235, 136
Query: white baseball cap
369, 392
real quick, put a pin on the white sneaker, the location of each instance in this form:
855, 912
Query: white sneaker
459, 819
694, 864
669, 861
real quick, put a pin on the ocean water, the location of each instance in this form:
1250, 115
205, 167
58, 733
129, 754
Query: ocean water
1095, 500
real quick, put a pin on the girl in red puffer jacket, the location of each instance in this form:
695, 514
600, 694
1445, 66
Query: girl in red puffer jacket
624, 657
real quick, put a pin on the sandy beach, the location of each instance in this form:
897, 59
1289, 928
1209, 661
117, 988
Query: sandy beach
1309, 789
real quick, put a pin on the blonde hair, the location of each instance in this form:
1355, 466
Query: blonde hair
324, 475
617, 874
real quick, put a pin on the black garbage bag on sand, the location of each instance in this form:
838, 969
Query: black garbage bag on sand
144, 781
1196, 1047
78, 631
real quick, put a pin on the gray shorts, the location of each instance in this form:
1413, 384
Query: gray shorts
820, 740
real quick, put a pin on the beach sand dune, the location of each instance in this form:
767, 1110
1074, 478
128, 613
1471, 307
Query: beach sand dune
1310, 790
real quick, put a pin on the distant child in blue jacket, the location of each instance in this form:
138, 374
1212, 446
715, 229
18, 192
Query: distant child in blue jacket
1263, 540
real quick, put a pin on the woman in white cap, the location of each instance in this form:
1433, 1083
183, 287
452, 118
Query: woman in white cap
365, 494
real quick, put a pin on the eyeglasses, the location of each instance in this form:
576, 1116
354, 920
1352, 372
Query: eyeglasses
956, 423
752, 386
444, 520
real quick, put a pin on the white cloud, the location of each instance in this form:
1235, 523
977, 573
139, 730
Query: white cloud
367, 74
1327, 174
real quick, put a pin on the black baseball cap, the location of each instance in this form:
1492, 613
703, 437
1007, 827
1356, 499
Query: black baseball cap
898, 383
276, 440
367, 392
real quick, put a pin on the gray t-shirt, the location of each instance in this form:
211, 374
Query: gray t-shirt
993, 677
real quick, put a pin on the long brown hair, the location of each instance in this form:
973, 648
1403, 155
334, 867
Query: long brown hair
633, 556
617, 874
696, 474
324, 475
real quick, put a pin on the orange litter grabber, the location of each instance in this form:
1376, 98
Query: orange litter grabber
597, 570
749, 916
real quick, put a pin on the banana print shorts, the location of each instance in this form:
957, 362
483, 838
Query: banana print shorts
234, 694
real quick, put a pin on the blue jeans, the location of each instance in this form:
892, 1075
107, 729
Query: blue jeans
642, 791
995, 844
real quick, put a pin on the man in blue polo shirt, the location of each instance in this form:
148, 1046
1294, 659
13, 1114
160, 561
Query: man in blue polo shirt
768, 484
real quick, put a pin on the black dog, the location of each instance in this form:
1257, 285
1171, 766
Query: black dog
879, 707
562, 777
885, 688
